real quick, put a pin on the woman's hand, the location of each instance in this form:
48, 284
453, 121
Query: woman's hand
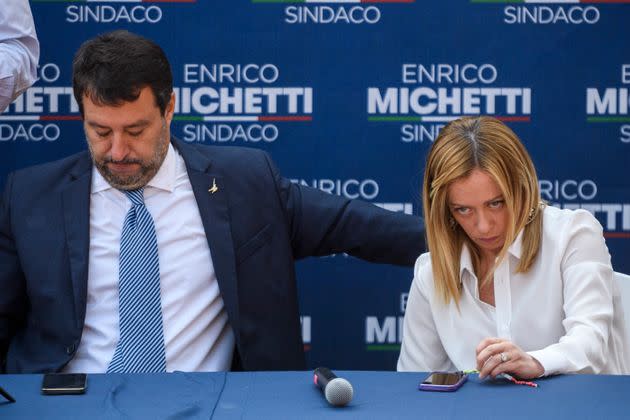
496, 355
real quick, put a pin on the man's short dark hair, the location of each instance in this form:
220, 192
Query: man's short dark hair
114, 67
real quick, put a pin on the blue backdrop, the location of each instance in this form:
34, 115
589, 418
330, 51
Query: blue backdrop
348, 96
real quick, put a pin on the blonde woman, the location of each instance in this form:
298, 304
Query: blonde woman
510, 285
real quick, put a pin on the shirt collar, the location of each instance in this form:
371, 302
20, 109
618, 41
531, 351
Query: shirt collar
164, 179
516, 249
465, 262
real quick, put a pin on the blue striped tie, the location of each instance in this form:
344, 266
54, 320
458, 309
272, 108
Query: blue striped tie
141, 344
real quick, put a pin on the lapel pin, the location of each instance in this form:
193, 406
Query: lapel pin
214, 187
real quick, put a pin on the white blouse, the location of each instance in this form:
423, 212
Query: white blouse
565, 311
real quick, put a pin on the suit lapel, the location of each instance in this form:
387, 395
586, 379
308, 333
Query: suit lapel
212, 201
213, 207
76, 213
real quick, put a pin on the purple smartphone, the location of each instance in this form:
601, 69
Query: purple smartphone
443, 381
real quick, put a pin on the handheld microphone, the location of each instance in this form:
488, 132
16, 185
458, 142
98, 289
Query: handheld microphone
338, 391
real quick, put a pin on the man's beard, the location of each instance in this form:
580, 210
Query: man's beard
146, 172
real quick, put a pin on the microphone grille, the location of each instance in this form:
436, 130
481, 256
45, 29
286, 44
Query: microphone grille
339, 392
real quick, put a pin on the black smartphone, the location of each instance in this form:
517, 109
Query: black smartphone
443, 381
64, 383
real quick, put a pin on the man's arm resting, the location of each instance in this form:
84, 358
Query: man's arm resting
323, 224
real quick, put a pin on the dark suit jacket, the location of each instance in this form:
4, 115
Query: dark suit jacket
257, 224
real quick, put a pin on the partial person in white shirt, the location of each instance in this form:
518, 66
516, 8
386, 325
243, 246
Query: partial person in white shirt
509, 285
19, 50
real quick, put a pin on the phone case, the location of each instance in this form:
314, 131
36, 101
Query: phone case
63, 384
442, 388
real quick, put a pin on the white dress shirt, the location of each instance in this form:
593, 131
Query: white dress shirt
565, 311
197, 334
19, 50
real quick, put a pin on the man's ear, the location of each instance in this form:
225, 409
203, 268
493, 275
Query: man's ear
170, 109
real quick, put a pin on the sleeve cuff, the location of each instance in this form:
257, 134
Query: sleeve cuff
553, 362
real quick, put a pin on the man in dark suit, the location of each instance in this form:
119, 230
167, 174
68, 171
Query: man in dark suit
148, 254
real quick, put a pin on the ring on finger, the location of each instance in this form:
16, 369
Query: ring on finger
504, 357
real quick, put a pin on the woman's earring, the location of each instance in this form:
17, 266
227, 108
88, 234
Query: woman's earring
452, 223
534, 211
530, 216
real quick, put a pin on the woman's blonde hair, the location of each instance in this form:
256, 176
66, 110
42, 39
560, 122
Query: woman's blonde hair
487, 144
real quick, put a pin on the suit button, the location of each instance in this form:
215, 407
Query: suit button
71, 348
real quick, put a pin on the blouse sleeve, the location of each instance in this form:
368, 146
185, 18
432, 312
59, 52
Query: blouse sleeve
421, 348
587, 277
